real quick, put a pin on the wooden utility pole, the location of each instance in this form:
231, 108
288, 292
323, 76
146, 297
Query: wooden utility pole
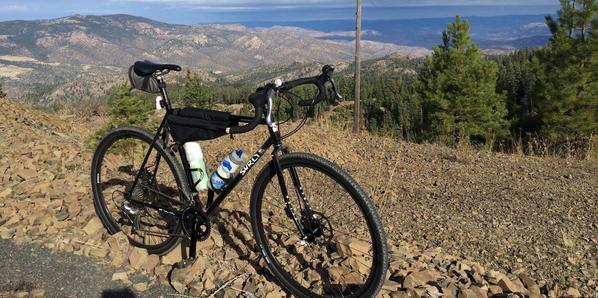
356, 110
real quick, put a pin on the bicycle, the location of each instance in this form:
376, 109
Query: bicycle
158, 206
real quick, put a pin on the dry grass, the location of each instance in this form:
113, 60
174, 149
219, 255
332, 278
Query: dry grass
582, 148
17, 58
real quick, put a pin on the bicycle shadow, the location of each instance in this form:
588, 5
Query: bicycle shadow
118, 293
229, 223
225, 221
232, 225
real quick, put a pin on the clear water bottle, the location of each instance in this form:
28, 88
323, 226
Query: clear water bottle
197, 165
227, 168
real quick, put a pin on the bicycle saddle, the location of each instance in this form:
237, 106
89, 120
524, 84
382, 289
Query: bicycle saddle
146, 68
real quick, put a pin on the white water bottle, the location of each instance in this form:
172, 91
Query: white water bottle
158, 103
228, 167
197, 165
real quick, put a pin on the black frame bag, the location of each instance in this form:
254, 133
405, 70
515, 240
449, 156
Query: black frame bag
193, 124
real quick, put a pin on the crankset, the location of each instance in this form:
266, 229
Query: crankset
195, 224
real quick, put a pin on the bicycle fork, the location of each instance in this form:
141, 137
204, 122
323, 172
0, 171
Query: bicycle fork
305, 211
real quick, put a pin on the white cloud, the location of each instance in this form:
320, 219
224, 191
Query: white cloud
13, 8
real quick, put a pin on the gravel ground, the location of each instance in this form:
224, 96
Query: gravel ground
29, 266
516, 213
508, 212
537, 215
532, 214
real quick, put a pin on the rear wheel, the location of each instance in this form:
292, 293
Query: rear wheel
116, 163
343, 250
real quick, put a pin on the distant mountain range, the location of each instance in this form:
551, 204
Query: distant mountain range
81, 56
119, 40
70, 58
492, 33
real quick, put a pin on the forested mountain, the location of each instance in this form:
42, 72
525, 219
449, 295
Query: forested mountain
460, 93
537, 100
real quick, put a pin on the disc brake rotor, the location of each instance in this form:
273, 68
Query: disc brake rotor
315, 226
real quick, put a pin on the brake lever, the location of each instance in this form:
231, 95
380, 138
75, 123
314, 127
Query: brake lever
337, 96
328, 70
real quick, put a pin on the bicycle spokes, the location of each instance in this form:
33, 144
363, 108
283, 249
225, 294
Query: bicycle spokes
329, 251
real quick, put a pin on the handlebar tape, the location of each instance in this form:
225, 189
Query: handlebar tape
319, 82
292, 84
259, 112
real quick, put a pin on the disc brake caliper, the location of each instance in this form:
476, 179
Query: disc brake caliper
312, 227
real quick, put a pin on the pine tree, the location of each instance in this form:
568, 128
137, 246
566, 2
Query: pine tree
127, 108
457, 88
195, 92
566, 92
516, 79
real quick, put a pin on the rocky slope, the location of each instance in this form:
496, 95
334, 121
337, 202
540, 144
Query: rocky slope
460, 223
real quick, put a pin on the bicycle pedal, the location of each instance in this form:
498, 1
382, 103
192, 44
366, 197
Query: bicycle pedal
185, 263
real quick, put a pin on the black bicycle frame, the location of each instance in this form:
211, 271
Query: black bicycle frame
212, 205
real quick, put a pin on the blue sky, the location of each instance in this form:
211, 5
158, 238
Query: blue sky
223, 11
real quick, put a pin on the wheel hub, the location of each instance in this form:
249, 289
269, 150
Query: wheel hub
313, 224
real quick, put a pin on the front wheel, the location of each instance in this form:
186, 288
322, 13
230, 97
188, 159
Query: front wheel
326, 238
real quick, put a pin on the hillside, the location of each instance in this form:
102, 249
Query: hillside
459, 221
392, 65
55, 84
78, 58
118, 40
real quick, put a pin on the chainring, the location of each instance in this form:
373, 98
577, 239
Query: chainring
195, 224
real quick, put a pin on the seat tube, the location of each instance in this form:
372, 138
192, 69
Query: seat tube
145, 159
162, 87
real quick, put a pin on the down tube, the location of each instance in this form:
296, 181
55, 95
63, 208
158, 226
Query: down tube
231, 185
